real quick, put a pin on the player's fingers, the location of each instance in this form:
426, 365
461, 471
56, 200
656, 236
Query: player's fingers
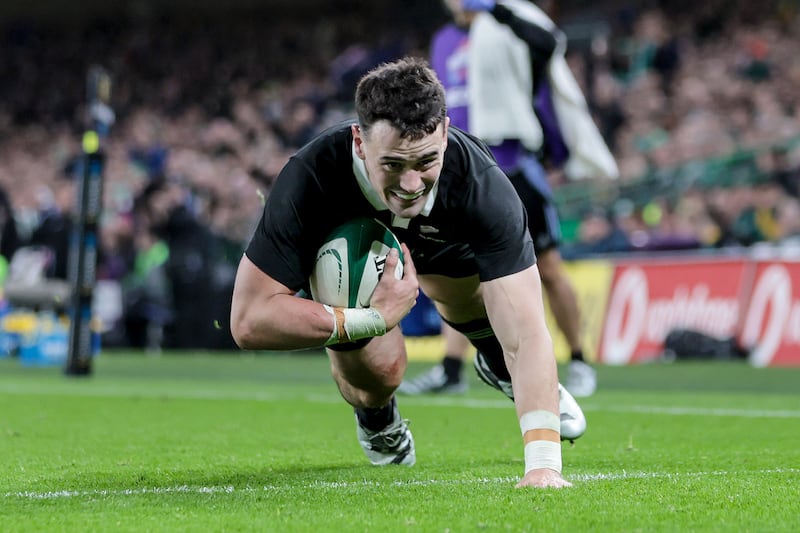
392, 258
543, 481
409, 269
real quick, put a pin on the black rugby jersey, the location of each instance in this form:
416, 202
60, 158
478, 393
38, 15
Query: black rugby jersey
477, 224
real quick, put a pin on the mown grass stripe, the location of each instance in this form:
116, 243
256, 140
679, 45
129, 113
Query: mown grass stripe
340, 485
473, 403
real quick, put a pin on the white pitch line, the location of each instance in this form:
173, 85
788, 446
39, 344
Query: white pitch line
699, 411
450, 401
343, 485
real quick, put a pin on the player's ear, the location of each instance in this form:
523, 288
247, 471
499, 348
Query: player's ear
445, 126
358, 141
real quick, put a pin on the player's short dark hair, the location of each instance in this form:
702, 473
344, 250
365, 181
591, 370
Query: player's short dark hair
406, 93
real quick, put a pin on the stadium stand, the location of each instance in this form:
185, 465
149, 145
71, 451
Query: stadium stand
699, 105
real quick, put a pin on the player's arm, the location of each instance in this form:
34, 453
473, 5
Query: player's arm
542, 40
516, 311
266, 315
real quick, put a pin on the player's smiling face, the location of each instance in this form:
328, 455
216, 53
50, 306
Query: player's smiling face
402, 171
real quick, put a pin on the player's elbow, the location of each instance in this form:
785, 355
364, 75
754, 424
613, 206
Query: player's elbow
244, 333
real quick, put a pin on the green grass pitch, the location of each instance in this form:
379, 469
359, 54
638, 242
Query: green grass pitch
263, 442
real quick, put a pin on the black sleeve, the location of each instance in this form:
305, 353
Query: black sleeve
541, 42
502, 244
286, 238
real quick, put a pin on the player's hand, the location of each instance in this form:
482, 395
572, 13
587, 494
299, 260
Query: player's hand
543, 478
478, 5
393, 298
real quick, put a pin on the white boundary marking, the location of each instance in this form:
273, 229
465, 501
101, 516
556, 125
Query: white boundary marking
339, 485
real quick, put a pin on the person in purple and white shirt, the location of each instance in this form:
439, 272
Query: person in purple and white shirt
506, 82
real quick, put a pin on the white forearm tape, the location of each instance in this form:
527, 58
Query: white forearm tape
354, 324
541, 419
540, 450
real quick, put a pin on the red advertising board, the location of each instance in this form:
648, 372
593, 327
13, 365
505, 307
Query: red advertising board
771, 322
651, 297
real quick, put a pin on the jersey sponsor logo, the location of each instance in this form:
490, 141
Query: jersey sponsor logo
427, 233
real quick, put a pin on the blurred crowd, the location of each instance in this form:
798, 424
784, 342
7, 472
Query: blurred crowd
701, 109
208, 111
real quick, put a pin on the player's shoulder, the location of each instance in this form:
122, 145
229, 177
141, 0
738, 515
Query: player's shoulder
465, 148
334, 142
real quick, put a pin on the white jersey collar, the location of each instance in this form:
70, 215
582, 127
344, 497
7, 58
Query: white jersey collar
360, 171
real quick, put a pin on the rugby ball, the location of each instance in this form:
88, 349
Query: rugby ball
351, 261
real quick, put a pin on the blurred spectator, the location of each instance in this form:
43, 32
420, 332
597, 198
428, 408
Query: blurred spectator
9, 237
608, 109
784, 172
187, 263
146, 292
54, 227
117, 247
598, 233
300, 123
725, 205
691, 217
192, 256
757, 221
665, 230
145, 146
753, 62
788, 219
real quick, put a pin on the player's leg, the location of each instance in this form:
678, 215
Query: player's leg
367, 375
447, 377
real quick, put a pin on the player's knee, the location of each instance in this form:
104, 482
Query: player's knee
372, 392
381, 376
372, 376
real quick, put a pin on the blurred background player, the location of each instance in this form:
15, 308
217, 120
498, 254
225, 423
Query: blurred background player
503, 67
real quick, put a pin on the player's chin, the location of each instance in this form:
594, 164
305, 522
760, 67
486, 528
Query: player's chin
405, 208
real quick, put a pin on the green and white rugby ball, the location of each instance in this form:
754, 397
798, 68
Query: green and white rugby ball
351, 261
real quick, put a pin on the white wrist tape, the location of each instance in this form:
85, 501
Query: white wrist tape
543, 445
334, 338
543, 454
354, 324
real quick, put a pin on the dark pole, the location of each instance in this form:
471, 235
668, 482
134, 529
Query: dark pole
85, 236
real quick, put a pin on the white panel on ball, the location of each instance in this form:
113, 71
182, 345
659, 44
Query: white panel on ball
350, 262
